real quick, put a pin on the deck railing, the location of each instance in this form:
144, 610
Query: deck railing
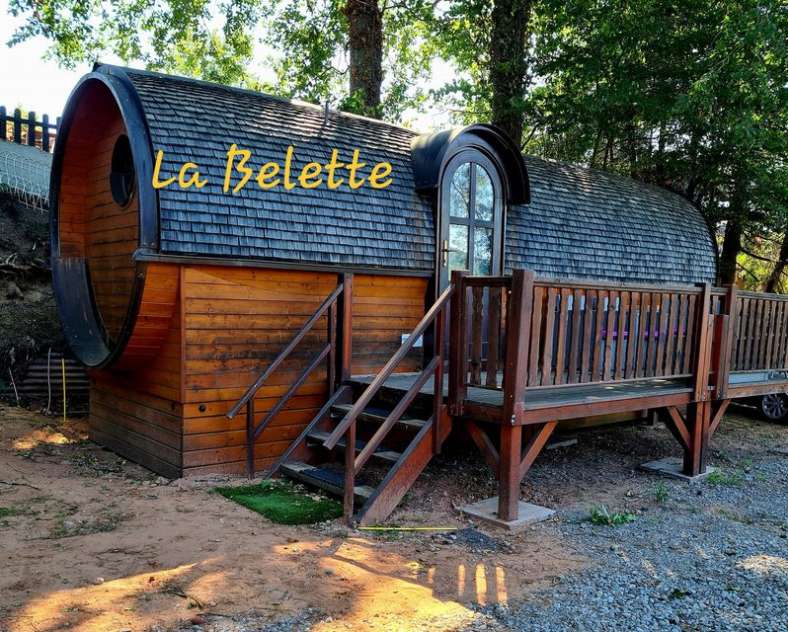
519, 333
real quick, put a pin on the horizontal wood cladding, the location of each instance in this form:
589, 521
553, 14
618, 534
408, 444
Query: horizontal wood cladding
138, 412
156, 317
237, 320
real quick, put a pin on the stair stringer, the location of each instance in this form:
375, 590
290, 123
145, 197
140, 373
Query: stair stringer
403, 473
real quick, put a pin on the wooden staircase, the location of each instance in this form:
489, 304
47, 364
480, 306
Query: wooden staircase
394, 465
393, 439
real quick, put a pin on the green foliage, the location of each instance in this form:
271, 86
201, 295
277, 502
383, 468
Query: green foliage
602, 517
311, 40
283, 502
7, 512
192, 37
690, 96
661, 493
723, 478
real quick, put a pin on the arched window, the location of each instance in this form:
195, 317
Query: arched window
471, 216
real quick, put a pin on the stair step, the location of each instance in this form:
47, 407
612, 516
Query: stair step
327, 480
381, 453
377, 415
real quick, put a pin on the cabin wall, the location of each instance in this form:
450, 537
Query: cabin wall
90, 223
236, 320
169, 413
138, 412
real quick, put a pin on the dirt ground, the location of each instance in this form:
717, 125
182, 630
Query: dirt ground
97, 543
89, 541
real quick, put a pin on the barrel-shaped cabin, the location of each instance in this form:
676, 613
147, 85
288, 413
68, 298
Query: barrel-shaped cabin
218, 251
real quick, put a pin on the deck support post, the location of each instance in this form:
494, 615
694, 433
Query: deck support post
509, 471
692, 433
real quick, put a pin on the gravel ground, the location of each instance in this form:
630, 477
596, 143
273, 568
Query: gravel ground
709, 555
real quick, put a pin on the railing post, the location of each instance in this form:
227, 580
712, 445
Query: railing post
517, 344
458, 346
437, 399
723, 367
45, 132
702, 351
331, 335
350, 472
250, 438
31, 128
3, 123
344, 357
17, 126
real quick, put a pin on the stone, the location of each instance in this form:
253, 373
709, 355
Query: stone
487, 511
672, 466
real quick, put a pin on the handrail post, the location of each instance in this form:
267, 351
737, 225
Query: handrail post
331, 336
250, 438
350, 471
702, 351
723, 368
344, 357
458, 348
517, 344
437, 399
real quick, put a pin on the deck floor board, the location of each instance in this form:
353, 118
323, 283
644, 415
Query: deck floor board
549, 397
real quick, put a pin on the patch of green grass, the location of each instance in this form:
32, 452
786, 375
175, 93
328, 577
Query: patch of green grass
283, 502
601, 516
661, 492
732, 478
7, 512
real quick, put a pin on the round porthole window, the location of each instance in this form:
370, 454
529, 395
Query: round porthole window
121, 178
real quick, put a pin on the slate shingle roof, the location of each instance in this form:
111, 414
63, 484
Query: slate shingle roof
584, 223
580, 223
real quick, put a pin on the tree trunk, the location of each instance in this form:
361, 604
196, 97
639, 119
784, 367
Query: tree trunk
731, 246
508, 64
365, 43
773, 282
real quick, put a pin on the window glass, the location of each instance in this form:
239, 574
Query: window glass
458, 247
460, 197
482, 250
484, 195
121, 177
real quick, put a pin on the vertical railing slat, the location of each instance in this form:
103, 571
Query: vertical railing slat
560, 351
493, 336
610, 317
535, 336
547, 343
587, 357
477, 320
574, 348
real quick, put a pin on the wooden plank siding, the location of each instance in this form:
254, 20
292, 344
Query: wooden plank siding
138, 412
235, 322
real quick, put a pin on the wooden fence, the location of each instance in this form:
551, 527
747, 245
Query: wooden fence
587, 333
28, 130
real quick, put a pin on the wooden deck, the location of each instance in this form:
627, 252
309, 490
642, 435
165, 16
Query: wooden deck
558, 402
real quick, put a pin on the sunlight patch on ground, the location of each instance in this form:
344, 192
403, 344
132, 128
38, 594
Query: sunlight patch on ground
38, 437
114, 604
765, 565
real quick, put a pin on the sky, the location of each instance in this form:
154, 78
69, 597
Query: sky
30, 81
